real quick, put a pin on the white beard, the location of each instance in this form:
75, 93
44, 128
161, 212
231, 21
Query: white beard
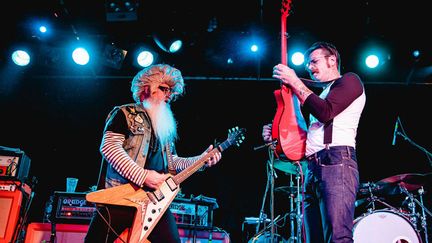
163, 121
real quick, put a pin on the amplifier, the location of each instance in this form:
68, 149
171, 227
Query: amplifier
193, 213
71, 207
14, 164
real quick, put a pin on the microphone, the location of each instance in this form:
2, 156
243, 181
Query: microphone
395, 131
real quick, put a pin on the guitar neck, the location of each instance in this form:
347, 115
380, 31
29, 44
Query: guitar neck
283, 40
184, 174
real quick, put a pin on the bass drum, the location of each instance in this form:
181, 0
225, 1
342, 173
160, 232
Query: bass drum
384, 226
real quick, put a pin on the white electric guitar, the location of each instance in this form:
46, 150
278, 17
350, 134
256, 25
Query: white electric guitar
151, 205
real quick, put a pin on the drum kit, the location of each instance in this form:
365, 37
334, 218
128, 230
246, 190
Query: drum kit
385, 222
403, 221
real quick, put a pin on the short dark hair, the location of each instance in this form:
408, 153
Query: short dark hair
328, 48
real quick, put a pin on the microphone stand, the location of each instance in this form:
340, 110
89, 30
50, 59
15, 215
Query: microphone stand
402, 134
270, 180
272, 177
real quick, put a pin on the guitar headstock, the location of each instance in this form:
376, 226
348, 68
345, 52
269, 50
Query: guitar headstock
236, 136
286, 7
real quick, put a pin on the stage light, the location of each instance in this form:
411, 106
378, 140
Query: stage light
113, 56
168, 43
21, 57
43, 29
297, 58
416, 54
145, 58
372, 61
254, 48
80, 56
121, 10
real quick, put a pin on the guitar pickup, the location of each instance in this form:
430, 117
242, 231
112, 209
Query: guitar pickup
171, 184
156, 196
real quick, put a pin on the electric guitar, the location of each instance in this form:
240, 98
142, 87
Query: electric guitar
151, 205
289, 126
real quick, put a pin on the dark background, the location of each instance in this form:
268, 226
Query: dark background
55, 113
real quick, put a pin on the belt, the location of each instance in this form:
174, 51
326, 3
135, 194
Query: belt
316, 155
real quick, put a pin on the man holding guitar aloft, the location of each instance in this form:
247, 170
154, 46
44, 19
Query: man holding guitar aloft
138, 148
332, 178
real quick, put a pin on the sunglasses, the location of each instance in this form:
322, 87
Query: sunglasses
166, 90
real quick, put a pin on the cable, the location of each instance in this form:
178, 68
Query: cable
108, 224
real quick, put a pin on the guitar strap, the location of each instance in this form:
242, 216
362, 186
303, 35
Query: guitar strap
171, 168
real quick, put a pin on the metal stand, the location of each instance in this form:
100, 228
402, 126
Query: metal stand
295, 213
269, 186
423, 217
413, 214
372, 198
403, 134
295, 207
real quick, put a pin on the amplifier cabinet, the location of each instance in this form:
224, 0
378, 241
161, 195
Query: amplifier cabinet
71, 207
65, 233
14, 164
189, 213
13, 199
75, 233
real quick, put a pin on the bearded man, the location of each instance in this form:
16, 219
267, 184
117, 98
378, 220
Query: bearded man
138, 148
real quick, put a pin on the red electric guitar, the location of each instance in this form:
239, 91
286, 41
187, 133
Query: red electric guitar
289, 126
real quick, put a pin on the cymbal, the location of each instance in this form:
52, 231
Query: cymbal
290, 167
411, 181
383, 188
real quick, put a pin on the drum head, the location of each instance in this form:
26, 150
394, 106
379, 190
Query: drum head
384, 226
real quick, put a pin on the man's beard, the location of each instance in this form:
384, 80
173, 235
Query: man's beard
163, 121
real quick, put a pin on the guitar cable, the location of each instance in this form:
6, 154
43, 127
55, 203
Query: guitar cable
108, 223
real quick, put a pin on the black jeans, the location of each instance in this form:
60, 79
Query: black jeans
331, 185
121, 218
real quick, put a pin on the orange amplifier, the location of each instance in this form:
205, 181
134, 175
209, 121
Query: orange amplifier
71, 207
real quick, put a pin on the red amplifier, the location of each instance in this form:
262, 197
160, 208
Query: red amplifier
14, 198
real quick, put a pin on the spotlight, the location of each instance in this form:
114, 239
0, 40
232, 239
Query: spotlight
121, 10
145, 58
80, 56
113, 57
170, 44
21, 58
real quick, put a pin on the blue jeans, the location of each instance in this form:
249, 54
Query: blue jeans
331, 185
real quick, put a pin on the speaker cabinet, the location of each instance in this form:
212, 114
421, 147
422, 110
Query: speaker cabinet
13, 198
65, 233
